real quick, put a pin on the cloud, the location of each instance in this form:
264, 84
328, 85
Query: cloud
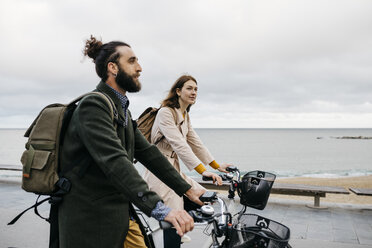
268, 62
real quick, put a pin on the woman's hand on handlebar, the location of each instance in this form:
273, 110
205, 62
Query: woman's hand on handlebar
223, 167
194, 194
214, 176
180, 220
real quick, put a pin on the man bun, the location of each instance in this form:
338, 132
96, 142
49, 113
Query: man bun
102, 54
92, 47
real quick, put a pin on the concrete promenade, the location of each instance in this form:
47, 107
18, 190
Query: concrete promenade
341, 226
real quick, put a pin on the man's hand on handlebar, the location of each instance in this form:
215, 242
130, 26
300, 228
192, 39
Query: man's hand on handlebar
180, 220
214, 176
223, 167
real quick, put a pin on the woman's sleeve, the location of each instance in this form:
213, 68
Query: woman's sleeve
168, 128
197, 146
150, 156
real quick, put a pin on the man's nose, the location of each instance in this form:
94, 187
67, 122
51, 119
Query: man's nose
139, 68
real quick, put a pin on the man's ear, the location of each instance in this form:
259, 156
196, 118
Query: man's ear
112, 68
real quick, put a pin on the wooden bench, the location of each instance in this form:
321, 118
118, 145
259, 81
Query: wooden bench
289, 189
360, 191
307, 190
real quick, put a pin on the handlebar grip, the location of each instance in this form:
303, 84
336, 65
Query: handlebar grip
165, 224
231, 168
196, 215
223, 177
208, 196
204, 178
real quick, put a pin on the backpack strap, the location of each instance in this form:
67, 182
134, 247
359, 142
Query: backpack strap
110, 103
174, 114
72, 105
149, 109
115, 118
33, 206
175, 120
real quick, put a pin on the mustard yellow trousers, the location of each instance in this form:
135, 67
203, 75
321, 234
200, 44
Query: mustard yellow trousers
134, 237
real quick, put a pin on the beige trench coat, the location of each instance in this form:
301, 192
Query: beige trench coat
181, 141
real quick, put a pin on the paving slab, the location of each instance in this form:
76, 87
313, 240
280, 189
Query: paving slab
345, 236
340, 225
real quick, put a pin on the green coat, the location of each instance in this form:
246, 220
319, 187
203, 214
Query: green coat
95, 213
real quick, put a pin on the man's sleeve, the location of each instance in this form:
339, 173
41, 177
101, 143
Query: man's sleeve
98, 135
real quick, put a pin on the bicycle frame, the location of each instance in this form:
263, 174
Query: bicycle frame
226, 229
220, 225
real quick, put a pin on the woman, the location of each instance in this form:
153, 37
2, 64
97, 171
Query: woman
180, 141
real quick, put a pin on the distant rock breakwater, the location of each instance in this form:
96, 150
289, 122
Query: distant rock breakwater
349, 137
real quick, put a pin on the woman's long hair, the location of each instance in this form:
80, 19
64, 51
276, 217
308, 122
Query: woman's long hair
172, 99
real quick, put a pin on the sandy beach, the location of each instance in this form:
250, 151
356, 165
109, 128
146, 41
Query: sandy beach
346, 182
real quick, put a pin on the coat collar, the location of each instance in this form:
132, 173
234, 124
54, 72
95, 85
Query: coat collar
179, 116
103, 87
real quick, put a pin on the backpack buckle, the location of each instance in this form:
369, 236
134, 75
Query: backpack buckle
55, 200
64, 185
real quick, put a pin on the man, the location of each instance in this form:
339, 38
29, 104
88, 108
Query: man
98, 160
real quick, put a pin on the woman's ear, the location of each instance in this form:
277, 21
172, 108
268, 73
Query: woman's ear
178, 92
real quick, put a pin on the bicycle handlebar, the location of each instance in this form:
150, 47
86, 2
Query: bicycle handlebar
205, 213
209, 196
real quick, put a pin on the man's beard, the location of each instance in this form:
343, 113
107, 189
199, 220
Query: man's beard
127, 82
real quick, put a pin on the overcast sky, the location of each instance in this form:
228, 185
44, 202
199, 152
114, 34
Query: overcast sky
259, 64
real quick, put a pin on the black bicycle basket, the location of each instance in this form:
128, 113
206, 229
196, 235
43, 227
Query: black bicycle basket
254, 189
255, 231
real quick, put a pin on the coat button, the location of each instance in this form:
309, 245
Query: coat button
144, 198
140, 194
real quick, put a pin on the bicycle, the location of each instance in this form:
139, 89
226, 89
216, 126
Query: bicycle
245, 230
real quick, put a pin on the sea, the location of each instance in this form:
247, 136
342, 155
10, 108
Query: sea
284, 152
